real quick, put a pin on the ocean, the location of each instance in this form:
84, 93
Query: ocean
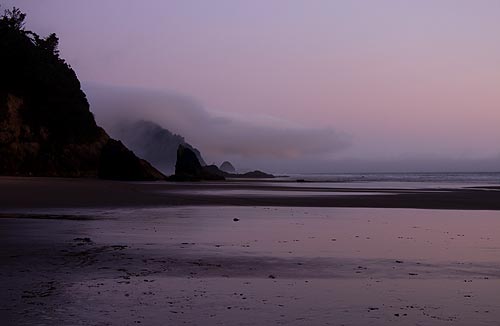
396, 180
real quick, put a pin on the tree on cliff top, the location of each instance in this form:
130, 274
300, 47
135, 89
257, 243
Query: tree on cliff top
13, 21
32, 70
46, 127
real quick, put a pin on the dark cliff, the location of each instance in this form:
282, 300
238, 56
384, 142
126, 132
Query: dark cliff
46, 127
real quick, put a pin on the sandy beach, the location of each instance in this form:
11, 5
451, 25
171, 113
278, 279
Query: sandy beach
88, 252
38, 193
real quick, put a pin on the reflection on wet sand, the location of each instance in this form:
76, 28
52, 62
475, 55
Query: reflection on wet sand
213, 265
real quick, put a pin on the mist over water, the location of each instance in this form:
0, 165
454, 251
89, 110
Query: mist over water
256, 141
242, 140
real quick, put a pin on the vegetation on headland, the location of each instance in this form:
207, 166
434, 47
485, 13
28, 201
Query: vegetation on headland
46, 126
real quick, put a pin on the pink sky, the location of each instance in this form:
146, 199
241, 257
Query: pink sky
400, 79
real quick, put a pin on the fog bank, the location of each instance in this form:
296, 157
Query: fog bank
257, 141
219, 137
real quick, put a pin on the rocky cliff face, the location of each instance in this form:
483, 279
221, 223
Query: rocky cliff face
152, 142
30, 149
119, 163
26, 150
46, 127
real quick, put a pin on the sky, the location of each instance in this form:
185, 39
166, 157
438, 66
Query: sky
316, 85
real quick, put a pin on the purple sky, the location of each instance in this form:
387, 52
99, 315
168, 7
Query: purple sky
379, 80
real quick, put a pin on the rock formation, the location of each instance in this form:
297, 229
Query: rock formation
226, 166
46, 127
188, 167
119, 163
253, 175
152, 142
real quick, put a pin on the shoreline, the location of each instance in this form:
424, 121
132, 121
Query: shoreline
93, 252
196, 265
44, 193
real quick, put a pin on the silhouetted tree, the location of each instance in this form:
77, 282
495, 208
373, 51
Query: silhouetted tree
13, 19
49, 44
46, 127
30, 68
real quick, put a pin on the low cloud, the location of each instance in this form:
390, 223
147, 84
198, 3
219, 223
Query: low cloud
219, 136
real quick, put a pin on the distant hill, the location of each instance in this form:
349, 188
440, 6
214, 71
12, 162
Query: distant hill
226, 166
46, 127
153, 143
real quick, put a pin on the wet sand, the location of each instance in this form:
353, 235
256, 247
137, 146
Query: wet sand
36, 193
92, 260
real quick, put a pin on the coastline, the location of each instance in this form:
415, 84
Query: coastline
36, 193
94, 252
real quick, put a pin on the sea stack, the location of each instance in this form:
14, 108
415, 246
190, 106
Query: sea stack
226, 166
189, 168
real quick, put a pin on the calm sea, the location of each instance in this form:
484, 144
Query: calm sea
397, 180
